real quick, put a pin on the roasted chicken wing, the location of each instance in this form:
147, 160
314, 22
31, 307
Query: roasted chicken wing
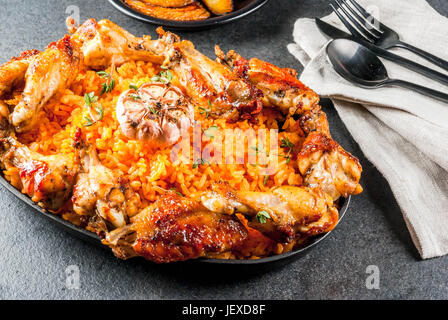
177, 228
289, 211
49, 71
280, 86
208, 82
104, 42
48, 180
98, 190
13, 72
324, 164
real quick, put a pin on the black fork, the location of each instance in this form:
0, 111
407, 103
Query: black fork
364, 26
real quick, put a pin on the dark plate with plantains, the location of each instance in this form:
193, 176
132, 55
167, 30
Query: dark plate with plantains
241, 9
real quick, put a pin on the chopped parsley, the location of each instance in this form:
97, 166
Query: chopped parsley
133, 87
262, 216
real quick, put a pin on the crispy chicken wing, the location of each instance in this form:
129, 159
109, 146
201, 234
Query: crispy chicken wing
293, 211
177, 228
207, 81
280, 86
314, 120
324, 164
104, 42
48, 180
97, 190
13, 72
49, 71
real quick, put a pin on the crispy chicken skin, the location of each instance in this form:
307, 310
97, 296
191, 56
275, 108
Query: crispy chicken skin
50, 71
207, 81
13, 72
314, 120
280, 86
104, 42
324, 164
97, 190
48, 180
177, 228
293, 211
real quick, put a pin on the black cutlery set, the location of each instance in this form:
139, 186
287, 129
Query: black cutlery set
354, 55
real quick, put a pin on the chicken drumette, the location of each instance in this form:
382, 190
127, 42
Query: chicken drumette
177, 228
48, 180
104, 43
209, 83
289, 212
45, 74
98, 193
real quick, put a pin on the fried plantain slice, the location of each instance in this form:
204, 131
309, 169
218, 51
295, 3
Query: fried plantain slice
191, 12
219, 6
169, 3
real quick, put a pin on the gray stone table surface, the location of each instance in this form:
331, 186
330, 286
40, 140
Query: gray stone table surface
34, 252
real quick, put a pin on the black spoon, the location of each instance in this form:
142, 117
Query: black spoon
359, 65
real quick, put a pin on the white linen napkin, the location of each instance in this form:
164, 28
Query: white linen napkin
404, 134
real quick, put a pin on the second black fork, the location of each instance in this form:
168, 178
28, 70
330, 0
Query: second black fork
364, 26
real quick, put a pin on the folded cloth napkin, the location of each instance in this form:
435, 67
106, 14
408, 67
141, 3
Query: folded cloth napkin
404, 134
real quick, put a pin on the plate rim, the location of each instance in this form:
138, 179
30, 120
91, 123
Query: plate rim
94, 238
214, 21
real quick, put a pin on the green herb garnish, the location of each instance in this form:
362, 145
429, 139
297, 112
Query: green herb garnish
176, 192
135, 97
286, 143
153, 111
209, 132
109, 85
206, 111
262, 216
200, 162
133, 87
90, 99
265, 180
163, 77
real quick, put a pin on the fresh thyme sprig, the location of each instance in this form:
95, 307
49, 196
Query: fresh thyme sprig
109, 85
200, 162
206, 111
286, 143
163, 77
90, 99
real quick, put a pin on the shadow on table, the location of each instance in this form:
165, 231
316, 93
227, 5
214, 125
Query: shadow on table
206, 274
